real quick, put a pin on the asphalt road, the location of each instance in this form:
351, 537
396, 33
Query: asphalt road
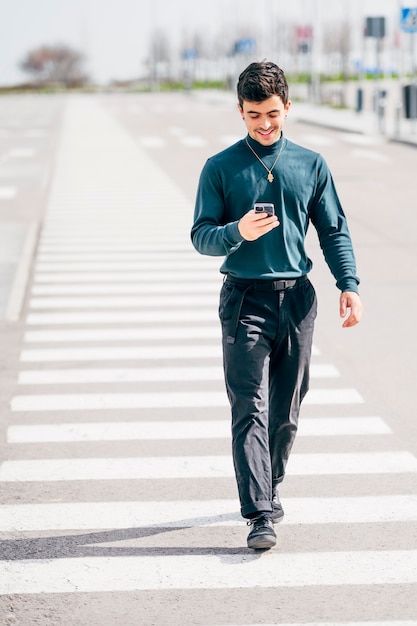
118, 502
376, 183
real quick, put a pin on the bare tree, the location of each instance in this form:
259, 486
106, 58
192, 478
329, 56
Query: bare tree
160, 58
337, 48
55, 64
337, 44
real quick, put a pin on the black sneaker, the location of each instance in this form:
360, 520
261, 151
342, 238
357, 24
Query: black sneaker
262, 536
277, 510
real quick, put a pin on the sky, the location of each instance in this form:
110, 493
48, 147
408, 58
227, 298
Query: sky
115, 35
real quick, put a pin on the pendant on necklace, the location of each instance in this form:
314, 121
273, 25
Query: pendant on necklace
270, 177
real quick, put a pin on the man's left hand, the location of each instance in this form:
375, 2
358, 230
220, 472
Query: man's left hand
350, 303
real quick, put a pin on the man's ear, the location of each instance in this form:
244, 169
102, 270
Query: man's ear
241, 111
287, 107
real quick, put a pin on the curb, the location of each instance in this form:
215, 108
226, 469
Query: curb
18, 290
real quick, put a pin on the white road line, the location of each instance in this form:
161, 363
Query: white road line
125, 375
8, 193
333, 396
342, 426
125, 244
200, 513
152, 353
102, 402
372, 155
318, 139
109, 401
84, 226
362, 139
145, 300
221, 571
52, 279
134, 468
150, 333
165, 248
111, 255
197, 283
22, 273
122, 317
229, 140
159, 431
334, 623
152, 142
21, 153
129, 334
101, 266
193, 141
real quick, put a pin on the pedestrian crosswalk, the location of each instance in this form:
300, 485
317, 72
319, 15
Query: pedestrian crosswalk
200, 513
109, 574
359, 146
133, 468
367, 151
209, 429
121, 345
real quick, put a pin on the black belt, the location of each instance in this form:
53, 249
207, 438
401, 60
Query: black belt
256, 285
266, 285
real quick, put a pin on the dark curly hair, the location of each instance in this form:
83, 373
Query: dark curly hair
261, 80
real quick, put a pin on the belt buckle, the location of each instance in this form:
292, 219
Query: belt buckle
278, 285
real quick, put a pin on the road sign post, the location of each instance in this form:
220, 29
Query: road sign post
409, 25
375, 28
409, 20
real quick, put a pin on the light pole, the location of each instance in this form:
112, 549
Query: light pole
316, 54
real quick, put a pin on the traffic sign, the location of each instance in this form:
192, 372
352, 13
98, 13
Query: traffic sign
375, 27
247, 45
409, 20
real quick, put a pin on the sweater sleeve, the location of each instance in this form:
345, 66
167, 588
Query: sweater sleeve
209, 234
330, 222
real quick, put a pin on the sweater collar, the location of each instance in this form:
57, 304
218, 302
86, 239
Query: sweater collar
265, 150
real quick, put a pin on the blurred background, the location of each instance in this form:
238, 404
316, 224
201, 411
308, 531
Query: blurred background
330, 49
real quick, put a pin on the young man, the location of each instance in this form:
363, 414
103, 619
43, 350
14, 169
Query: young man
267, 304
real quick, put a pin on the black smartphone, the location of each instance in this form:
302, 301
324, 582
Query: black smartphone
264, 207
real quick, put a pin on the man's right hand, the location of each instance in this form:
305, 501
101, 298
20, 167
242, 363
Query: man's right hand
253, 225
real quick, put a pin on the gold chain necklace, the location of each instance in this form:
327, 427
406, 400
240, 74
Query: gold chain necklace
270, 174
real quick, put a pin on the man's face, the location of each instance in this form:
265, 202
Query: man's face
264, 120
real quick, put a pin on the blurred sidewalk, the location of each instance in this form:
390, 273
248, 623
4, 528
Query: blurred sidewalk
23, 189
348, 120
393, 126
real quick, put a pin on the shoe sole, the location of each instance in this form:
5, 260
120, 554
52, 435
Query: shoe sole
262, 543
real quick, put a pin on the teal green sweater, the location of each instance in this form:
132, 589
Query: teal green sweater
302, 191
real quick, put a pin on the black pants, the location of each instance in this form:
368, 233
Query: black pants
267, 339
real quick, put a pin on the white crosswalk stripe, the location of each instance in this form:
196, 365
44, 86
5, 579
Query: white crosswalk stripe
144, 400
118, 321
7, 193
123, 317
132, 468
384, 623
87, 574
71, 376
125, 302
137, 334
121, 354
213, 429
178, 514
